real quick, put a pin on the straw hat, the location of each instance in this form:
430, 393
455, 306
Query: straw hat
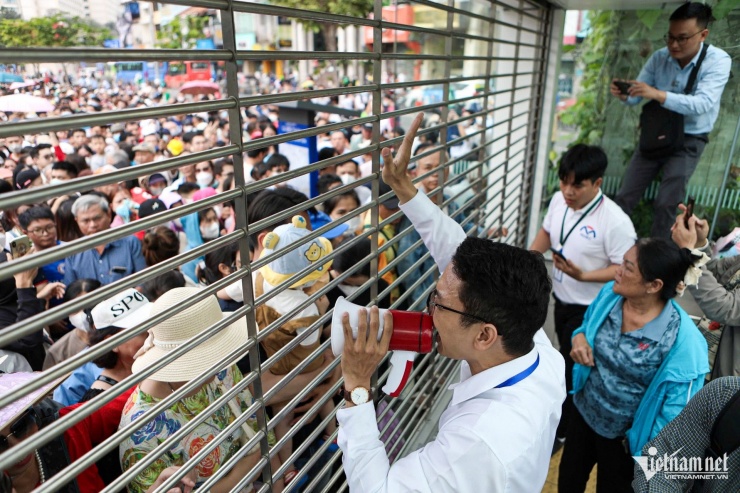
12, 381
190, 321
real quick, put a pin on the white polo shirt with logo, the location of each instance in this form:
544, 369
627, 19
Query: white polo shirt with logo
600, 239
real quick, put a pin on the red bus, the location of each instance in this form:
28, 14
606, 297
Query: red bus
180, 72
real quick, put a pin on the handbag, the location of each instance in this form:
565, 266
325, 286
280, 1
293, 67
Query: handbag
661, 130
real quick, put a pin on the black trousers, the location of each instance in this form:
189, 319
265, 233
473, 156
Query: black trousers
567, 319
583, 449
677, 169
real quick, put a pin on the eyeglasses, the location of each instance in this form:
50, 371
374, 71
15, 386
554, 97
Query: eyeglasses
431, 305
681, 40
19, 429
47, 230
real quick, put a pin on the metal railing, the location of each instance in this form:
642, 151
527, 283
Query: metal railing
504, 44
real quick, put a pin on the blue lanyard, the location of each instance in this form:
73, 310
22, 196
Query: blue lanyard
519, 376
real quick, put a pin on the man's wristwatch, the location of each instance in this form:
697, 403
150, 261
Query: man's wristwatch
357, 396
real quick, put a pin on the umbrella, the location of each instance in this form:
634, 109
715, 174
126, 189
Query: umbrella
199, 87
7, 78
21, 85
25, 103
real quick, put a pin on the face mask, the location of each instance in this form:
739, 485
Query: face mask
210, 231
2, 240
217, 209
117, 137
347, 289
79, 320
354, 224
204, 179
230, 224
124, 210
224, 115
56, 181
16, 149
156, 191
347, 179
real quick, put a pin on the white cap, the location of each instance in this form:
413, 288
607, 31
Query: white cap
126, 310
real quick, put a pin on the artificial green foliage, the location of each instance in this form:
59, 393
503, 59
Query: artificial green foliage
54, 31
171, 35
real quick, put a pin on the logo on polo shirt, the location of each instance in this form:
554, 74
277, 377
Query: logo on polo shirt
588, 232
643, 346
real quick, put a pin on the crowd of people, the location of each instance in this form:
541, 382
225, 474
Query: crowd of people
292, 313
630, 358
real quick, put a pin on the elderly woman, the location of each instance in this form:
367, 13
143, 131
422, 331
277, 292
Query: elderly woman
639, 359
189, 322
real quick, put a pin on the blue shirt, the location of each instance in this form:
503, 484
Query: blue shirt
74, 387
119, 259
701, 107
625, 364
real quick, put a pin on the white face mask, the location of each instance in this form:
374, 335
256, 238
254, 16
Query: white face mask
354, 224
156, 191
204, 179
209, 231
347, 289
2, 240
79, 320
217, 209
347, 179
230, 223
55, 181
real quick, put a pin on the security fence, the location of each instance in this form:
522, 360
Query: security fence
475, 67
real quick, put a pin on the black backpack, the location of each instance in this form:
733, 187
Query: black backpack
661, 130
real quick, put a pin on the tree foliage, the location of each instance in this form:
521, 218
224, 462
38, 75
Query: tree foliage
54, 31
353, 8
6, 13
171, 36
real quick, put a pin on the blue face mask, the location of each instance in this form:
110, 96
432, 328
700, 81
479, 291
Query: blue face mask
124, 210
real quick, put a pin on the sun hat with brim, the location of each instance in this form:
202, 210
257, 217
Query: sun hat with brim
297, 259
13, 381
189, 321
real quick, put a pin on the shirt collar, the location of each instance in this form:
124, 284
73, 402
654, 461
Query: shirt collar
655, 328
471, 386
586, 207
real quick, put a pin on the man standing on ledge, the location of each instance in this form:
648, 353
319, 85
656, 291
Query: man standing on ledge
663, 79
488, 308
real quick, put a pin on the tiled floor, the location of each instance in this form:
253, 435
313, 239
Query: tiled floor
551, 484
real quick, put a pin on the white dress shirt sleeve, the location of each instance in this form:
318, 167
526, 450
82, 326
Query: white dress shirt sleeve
451, 463
441, 233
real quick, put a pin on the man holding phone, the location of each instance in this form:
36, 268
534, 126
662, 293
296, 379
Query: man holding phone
588, 235
664, 79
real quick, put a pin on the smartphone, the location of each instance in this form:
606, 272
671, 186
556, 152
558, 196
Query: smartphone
623, 87
558, 253
689, 211
20, 246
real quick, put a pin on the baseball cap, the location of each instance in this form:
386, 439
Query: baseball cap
150, 207
157, 178
297, 259
25, 178
320, 219
384, 188
125, 310
175, 147
143, 147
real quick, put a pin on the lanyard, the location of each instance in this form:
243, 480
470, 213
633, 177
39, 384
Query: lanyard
562, 226
519, 376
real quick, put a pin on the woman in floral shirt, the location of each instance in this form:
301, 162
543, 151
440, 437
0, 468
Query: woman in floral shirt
164, 338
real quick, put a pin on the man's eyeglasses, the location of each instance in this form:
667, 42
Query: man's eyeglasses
432, 305
19, 429
47, 230
681, 40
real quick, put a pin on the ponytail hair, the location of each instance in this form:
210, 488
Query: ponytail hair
208, 272
660, 258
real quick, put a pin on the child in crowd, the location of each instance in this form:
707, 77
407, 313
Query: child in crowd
273, 275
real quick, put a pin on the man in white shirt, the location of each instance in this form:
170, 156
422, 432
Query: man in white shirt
489, 303
588, 229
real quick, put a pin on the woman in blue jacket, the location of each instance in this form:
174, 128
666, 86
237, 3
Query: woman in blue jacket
639, 359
